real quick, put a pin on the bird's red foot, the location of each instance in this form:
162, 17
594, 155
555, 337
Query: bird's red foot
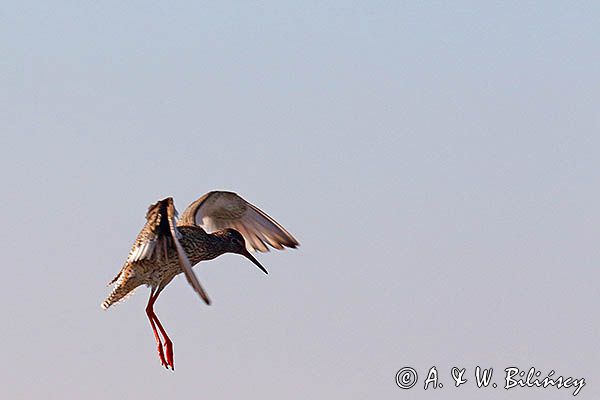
169, 354
161, 355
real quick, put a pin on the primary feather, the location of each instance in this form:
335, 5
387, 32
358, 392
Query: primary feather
219, 210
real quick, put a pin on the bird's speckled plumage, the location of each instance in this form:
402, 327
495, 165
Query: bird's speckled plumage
217, 223
160, 270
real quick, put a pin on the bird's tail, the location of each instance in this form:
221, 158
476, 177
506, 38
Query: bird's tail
125, 285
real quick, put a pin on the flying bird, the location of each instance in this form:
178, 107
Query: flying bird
217, 223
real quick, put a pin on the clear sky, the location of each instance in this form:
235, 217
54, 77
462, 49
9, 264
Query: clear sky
438, 162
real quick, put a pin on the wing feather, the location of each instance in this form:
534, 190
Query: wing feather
183, 258
158, 236
219, 210
154, 237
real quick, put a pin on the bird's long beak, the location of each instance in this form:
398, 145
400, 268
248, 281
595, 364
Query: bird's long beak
249, 256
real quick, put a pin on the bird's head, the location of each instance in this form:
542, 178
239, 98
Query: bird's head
235, 243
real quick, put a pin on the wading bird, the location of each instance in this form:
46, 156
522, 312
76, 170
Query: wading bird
217, 223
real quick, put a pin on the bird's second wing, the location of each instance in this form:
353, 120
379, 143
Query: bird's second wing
158, 236
154, 240
219, 210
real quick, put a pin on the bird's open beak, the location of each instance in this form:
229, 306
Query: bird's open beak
254, 260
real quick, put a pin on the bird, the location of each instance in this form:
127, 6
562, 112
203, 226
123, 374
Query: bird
219, 222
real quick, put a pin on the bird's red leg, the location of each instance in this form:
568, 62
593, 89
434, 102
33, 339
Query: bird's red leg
168, 344
151, 318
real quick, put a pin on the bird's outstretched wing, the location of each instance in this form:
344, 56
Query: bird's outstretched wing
158, 236
219, 210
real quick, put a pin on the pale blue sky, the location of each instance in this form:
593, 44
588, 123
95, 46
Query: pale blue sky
438, 162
